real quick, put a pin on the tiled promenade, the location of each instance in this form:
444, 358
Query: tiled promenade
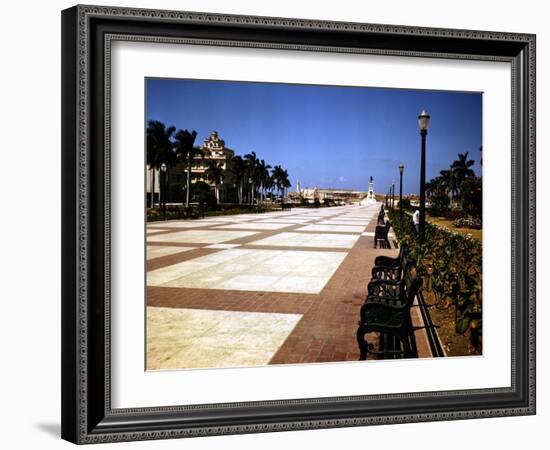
255, 289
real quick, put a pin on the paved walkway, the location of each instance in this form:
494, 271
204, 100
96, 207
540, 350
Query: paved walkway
256, 289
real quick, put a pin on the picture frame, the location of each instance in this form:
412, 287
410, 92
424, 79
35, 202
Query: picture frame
87, 412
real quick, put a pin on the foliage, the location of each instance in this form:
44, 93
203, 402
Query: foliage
451, 265
159, 149
472, 197
439, 203
184, 142
215, 173
456, 187
406, 204
237, 172
203, 195
280, 178
244, 179
467, 222
180, 213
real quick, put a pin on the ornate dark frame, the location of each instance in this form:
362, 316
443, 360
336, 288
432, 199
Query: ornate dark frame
87, 31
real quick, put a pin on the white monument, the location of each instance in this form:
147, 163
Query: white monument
370, 199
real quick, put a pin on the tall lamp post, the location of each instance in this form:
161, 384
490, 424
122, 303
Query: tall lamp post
163, 169
423, 123
392, 194
401, 168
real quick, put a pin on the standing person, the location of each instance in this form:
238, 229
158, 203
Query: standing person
416, 221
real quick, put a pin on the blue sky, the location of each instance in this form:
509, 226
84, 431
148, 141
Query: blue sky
326, 136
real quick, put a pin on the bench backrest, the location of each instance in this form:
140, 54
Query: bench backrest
403, 252
410, 284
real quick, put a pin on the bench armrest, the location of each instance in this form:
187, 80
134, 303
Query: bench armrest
384, 315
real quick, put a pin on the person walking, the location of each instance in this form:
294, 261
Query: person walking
416, 221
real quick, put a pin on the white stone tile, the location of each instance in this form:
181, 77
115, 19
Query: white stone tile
166, 274
286, 220
351, 222
290, 239
154, 251
253, 226
184, 224
191, 338
333, 228
252, 270
368, 233
300, 284
201, 236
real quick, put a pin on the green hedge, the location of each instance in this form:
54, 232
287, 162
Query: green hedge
451, 265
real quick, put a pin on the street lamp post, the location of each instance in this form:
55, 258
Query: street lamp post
423, 123
401, 168
163, 169
392, 194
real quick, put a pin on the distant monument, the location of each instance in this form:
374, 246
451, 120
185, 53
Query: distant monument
370, 199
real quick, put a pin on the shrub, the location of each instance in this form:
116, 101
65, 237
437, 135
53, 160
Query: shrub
471, 194
453, 214
451, 265
467, 222
204, 196
406, 204
439, 203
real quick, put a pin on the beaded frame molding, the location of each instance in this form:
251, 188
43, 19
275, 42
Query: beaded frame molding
87, 34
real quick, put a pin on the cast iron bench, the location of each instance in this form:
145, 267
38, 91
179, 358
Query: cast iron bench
387, 268
381, 235
386, 310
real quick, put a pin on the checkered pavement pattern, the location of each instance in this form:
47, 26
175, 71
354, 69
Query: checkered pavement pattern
244, 290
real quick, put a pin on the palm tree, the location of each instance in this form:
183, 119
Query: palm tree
237, 169
449, 183
252, 171
263, 177
185, 149
282, 182
276, 175
461, 168
269, 183
432, 187
160, 150
215, 174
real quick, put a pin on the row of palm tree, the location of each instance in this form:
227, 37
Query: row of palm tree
450, 181
261, 178
167, 146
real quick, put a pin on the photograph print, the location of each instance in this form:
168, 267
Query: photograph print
301, 224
